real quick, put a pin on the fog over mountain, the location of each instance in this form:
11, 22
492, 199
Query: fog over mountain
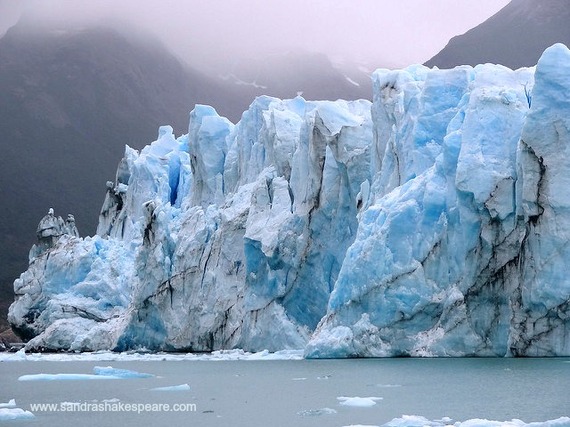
205, 34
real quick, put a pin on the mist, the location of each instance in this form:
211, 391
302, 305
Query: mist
388, 33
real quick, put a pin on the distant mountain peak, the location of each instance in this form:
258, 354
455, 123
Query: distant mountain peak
515, 36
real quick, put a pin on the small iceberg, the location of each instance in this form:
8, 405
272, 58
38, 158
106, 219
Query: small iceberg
360, 402
181, 387
99, 373
10, 412
109, 371
316, 412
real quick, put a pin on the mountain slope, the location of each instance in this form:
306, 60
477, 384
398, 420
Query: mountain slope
516, 36
288, 74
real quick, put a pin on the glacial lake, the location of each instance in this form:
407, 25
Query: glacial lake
285, 393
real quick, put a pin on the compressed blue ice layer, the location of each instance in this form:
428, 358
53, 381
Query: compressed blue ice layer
431, 222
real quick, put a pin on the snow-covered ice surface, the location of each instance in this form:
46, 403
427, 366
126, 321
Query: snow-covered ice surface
432, 222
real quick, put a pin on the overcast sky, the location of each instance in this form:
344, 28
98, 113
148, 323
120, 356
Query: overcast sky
379, 32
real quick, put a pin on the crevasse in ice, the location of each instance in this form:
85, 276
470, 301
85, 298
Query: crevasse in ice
430, 222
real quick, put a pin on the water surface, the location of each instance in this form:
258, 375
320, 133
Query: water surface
301, 392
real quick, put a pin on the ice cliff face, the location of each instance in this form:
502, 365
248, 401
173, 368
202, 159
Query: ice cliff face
433, 221
231, 236
465, 258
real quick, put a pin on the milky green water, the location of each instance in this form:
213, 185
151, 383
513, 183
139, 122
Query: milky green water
291, 393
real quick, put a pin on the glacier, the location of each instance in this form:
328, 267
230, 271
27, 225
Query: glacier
432, 221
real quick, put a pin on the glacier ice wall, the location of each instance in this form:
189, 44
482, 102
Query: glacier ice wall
466, 258
432, 221
230, 236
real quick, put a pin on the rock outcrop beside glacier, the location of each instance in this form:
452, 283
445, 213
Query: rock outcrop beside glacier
432, 222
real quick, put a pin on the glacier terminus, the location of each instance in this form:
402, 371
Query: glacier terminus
432, 221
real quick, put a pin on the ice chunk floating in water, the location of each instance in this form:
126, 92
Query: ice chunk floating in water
317, 412
10, 412
109, 371
432, 222
10, 404
64, 377
100, 373
181, 387
360, 402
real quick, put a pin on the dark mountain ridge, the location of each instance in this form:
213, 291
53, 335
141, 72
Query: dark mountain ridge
515, 36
